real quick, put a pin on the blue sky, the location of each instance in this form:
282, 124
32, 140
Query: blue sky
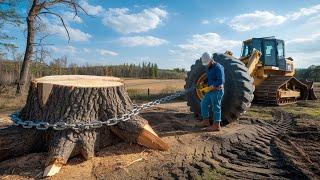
175, 33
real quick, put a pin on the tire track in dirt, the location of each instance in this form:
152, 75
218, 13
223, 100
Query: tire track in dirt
299, 152
247, 154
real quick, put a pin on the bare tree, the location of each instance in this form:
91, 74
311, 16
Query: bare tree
37, 9
41, 53
74, 68
58, 64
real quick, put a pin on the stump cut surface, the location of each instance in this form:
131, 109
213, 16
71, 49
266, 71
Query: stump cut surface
81, 81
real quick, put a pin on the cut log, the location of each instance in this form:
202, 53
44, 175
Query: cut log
78, 99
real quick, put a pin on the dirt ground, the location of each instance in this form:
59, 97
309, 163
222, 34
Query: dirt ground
266, 143
275, 148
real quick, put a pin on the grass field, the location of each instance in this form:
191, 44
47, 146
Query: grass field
8, 100
141, 90
155, 86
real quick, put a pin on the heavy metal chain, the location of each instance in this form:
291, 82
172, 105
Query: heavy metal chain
96, 123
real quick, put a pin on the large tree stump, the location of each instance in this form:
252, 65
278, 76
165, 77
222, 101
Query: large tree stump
75, 99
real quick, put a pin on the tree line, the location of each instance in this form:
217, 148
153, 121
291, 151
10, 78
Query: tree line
311, 73
10, 69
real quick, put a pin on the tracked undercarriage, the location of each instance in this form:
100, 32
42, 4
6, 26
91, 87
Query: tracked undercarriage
280, 90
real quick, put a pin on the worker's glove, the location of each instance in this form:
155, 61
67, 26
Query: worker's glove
207, 89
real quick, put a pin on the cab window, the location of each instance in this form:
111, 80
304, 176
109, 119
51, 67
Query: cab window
269, 53
280, 49
245, 50
269, 48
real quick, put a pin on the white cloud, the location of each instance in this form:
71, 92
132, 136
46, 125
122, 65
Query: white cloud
314, 19
172, 51
90, 9
82, 56
86, 50
53, 48
205, 21
216, 20
305, 50
106, 53
70, 17
258, 19
191, 50
307, 45
73, 54
121, 20
304, 60
305, 39
220, 20
305, 12
71, 49
54, 26
140, 41
64, 50
211, 42
75, 34
250, 21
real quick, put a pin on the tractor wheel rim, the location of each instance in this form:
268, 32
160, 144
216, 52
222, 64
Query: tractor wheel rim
200, 85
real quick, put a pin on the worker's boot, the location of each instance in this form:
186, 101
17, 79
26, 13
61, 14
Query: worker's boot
204, 123
215, 127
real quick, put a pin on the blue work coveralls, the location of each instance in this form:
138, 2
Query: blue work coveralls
215, 77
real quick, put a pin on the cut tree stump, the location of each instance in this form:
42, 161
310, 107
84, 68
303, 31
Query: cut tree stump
75, 99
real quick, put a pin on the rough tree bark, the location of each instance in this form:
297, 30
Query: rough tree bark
34, 10
75, 99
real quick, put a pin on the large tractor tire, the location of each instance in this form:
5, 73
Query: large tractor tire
238, 87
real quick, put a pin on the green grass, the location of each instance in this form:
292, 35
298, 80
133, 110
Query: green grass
261, 112
306, 113
309, 109
213, 174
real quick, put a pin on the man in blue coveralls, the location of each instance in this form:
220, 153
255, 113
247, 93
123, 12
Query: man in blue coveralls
215, 79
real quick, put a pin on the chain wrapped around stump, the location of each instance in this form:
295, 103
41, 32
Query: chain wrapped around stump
58, 126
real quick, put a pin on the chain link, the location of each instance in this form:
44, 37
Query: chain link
58, 126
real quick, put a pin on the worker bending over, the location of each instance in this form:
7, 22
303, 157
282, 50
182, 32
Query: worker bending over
215, 80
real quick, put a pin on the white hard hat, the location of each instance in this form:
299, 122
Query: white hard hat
206, 59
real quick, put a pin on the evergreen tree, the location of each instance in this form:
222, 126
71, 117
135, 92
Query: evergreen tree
8, 15
156, 70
